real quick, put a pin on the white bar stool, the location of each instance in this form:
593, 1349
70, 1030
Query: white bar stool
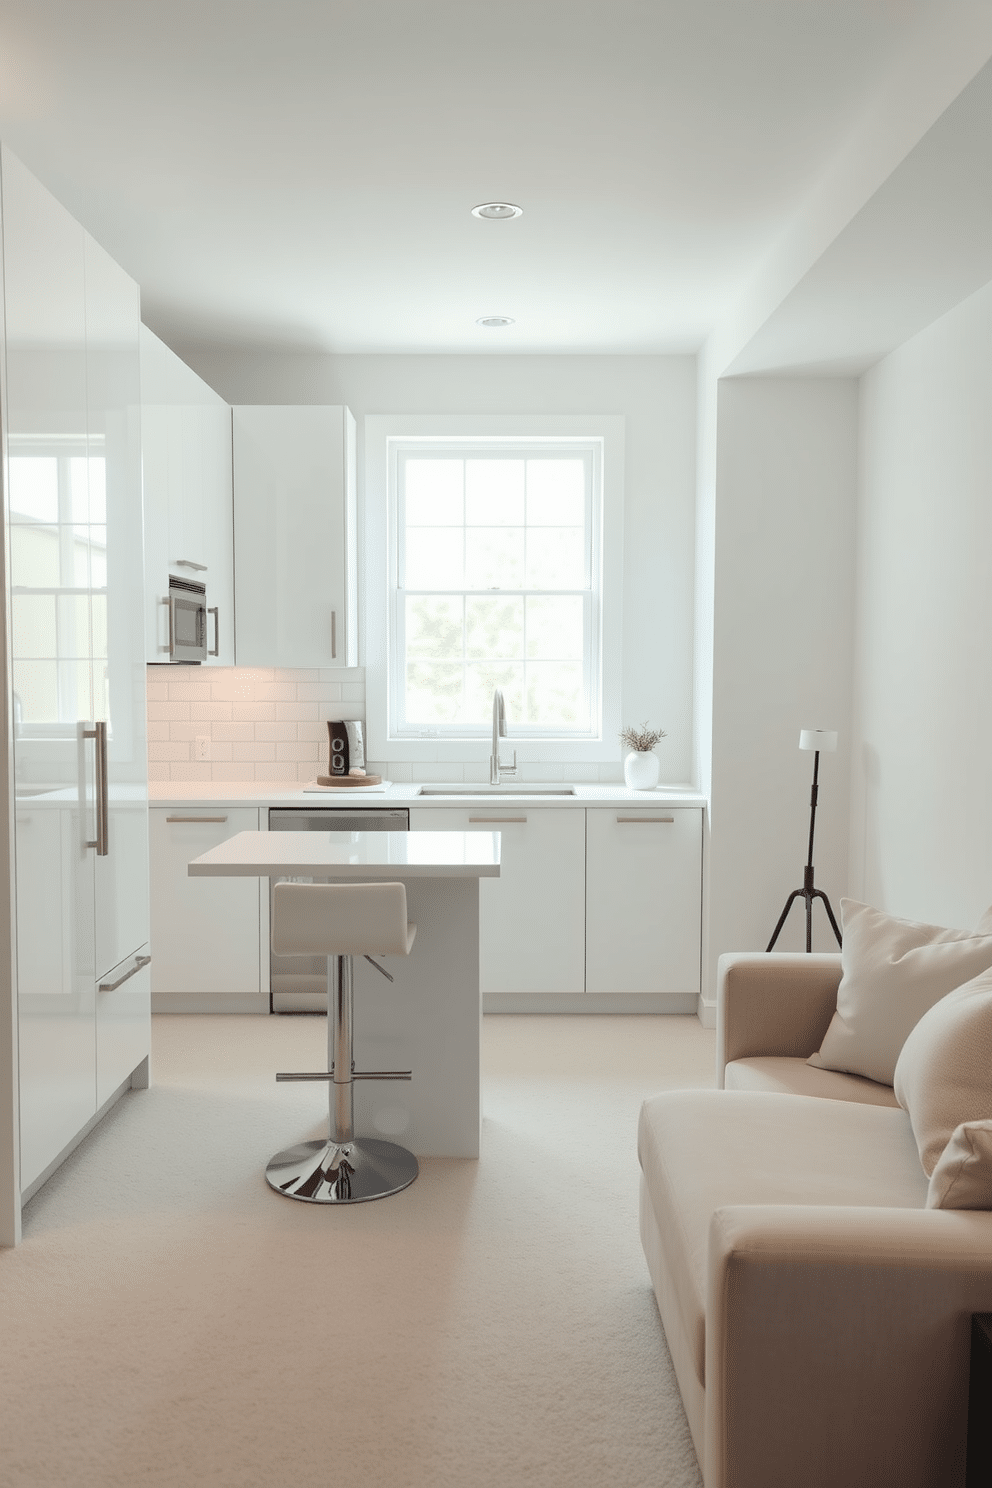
341, 921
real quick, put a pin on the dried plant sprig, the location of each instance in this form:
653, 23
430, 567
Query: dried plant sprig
641, 739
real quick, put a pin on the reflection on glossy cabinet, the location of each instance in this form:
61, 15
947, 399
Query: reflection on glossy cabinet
643, 896
188, 496
294, 534
55, 982
531, 918
207, 933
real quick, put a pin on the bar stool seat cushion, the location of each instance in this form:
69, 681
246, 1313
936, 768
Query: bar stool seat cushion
341, 920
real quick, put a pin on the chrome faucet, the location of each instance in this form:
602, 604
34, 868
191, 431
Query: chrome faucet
499, 728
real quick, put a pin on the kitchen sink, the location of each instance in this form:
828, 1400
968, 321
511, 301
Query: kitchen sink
513, 791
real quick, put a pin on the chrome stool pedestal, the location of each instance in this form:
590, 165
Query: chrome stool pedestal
344, 1169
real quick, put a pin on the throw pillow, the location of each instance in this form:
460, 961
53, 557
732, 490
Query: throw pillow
962, 1178
944, 1074
893, 971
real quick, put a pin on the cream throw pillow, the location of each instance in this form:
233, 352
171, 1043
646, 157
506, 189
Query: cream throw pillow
962, 1178
944, 1073
893, 971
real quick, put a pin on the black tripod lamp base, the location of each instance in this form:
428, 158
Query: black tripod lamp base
814, 740
808, 893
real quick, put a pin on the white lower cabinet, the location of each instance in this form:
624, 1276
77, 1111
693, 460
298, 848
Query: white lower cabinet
599, 900
532, 918
207, 933
643, 898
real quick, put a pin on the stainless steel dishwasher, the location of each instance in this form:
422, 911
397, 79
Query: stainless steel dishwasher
298, 984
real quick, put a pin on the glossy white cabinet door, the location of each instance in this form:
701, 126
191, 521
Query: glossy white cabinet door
57, 670
532, 918
123, 1022
188, 495
643, 896
294, 536
56, 1042
206, 933
114, 441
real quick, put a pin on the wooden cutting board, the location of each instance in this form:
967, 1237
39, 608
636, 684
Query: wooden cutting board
352, 780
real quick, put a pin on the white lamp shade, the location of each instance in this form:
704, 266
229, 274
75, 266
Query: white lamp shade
822, 739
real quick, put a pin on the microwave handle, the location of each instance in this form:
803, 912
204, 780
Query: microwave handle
168, 602
215, 611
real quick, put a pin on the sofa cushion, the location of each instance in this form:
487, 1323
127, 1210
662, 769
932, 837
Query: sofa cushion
962, 1178
797, 1077
944, 1073
701, 1150
893, 972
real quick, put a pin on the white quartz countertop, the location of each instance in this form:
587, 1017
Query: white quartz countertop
233, 793
352, 855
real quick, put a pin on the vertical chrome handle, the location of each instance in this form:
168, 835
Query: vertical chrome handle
99, 734
215, 611
172, 640
334, 635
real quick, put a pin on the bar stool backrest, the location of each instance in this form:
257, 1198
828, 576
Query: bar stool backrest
340, 920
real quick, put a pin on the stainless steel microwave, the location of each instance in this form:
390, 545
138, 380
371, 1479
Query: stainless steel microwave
188, 612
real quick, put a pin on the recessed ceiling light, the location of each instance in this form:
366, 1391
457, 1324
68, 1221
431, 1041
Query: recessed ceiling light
495, 320
498, 210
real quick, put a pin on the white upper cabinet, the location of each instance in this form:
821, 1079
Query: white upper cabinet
188, 497
294, 532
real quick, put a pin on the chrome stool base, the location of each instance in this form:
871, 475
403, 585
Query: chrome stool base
341, 1172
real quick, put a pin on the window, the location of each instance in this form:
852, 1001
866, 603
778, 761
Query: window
493, 559
497, 585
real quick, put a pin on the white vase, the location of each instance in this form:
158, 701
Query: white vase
641, 769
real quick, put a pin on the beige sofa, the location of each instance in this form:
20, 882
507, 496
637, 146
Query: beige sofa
817, 1313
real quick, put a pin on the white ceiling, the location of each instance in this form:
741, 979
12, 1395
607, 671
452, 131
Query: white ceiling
299, 174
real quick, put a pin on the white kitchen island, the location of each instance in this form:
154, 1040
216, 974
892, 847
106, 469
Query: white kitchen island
429, 1018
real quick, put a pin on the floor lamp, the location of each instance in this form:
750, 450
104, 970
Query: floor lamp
816, 740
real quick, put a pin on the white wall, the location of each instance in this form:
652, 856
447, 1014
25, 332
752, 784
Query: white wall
784, 501
657, 396
921, 830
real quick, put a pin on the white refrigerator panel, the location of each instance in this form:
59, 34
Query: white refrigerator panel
57, 668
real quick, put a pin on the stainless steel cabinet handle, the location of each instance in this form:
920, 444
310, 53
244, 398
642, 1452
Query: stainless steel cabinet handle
334, 635
215, 611
196, 818
497, 819
102, 844
651, 821
139, 962
172, 639
188, 563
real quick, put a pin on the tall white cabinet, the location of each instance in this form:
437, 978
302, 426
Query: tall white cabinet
188, 497
294, 532
77, 915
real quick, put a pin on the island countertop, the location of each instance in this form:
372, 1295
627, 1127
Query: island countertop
355, 855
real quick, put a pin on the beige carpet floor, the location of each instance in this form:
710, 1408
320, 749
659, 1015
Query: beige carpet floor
169, 1320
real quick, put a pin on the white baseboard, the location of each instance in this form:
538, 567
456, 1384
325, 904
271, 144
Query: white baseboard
210, 1002
588, 1002
706, 1013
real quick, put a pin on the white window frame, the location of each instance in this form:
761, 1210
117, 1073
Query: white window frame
385, 435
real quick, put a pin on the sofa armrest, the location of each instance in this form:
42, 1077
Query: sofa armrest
837, 1345
773, 1002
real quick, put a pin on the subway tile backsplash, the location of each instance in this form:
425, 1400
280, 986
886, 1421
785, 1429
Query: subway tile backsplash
264, 723
261, 723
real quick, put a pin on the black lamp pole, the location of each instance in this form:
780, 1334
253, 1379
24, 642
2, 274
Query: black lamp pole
808, 892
